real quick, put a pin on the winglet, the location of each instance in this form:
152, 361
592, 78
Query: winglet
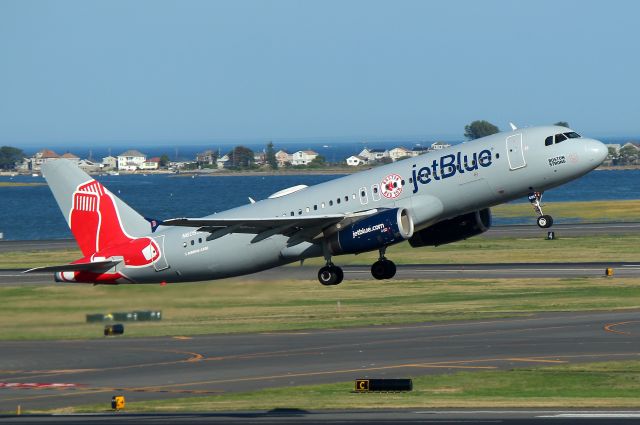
513, 126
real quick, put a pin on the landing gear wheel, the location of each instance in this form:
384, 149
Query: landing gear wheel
330, 275
383, 269
545, 221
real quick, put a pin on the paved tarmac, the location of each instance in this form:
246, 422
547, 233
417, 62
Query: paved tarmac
405, 271
55, 374
378, 417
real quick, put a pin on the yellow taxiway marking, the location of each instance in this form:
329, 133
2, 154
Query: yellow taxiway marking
609, 327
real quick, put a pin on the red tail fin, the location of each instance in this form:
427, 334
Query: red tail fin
94, 219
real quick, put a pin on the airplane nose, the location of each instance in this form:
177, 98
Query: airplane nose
596, 151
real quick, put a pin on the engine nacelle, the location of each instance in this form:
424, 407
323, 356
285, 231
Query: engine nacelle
385, 228
453, 229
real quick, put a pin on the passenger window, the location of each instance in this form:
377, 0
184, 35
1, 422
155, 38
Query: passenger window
330, 203
338, 200
375, 192
193, 242
199, 240
315, 207
548, 141
307, 209
560, 138
292, 213
346, 199
184, 244
572, 135
322, 205
299, 212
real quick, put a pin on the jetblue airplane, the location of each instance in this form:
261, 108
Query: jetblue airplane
432, 199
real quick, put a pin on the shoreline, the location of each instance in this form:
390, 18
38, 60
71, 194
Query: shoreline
288, 172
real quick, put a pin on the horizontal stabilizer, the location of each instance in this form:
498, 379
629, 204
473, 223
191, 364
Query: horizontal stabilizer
95, 266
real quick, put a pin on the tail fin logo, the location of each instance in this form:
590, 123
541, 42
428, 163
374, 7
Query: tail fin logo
96, 225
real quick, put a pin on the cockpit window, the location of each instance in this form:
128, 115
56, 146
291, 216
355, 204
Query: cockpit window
548, 141
560, 138
572, 135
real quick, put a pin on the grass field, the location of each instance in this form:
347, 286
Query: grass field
58, 311
592, 211
594, 385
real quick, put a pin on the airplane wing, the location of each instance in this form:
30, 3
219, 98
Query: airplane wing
95, 266
273, 225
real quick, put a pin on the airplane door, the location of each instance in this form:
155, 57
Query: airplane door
515, 152
161, 263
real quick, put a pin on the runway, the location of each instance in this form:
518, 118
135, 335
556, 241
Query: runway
12, 277
54, 374
378, 417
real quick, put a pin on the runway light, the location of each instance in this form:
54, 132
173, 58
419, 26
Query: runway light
111, 330
117, 402
608, 272
383, 385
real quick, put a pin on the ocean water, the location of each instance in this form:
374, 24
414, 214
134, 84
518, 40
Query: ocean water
30, 213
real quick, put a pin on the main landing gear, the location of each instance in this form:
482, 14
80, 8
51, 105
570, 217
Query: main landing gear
543, 220
383, 268
331, 274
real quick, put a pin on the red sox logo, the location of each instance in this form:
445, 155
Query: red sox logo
391, 186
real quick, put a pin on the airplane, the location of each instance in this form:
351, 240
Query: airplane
436, 198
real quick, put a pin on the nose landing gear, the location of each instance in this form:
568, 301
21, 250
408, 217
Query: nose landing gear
544, 221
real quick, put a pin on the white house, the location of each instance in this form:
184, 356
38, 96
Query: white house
151, 164
374, 154
399, 153
303, 157
283, 158
40, 158
88, 166
436, 146
417, 150
131, 160
222, 161
109, 162
355, 160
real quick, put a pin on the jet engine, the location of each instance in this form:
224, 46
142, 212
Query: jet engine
454, 229
384, 228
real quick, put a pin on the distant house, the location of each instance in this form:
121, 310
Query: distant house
207, 157
45, 155
151, 164
131, 160
417, 150
436, 146
355, 160
223, 161
374, 154
399, 153
88, 166
303, 157
283, 158
109, 163
71, 157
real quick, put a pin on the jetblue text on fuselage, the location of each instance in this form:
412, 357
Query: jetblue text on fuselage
449, 165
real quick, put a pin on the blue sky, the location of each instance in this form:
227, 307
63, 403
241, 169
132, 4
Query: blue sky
165, 72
